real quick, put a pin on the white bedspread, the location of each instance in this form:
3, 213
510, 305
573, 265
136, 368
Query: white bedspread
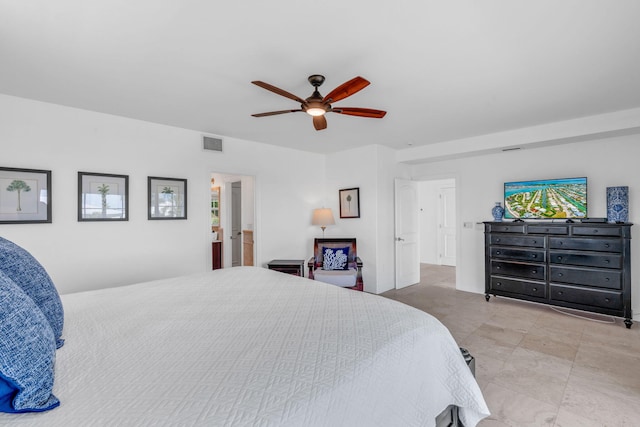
250, 346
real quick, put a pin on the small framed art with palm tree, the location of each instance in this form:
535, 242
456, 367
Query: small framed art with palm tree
167, 198
103, 197
25, 196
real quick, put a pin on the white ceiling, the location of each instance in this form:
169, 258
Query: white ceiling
443, 69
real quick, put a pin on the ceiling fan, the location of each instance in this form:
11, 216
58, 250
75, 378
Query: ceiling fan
317, 106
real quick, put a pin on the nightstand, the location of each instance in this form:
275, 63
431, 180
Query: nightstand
289, 266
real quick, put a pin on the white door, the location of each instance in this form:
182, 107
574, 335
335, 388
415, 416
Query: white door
407, 232
447, 226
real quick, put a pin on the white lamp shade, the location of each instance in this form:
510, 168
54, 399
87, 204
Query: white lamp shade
322, 217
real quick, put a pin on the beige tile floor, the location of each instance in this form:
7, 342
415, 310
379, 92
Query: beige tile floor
535, 365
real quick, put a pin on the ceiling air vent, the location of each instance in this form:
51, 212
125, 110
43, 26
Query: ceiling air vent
212, 144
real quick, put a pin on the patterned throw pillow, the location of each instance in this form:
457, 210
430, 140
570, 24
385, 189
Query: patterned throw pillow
26, 272
335, 258
27, 353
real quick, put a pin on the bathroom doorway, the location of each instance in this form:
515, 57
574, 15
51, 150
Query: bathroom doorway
233, 219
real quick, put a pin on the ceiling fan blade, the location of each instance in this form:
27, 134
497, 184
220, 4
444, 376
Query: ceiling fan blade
273, 113
354, 85
279, 91
361, 112
319, 122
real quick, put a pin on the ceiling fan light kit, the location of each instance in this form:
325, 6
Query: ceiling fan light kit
315, 111
317, 106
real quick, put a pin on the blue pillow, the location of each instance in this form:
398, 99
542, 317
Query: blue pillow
26, 272
27, 353
335, 258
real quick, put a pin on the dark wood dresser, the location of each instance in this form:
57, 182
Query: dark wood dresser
585, 266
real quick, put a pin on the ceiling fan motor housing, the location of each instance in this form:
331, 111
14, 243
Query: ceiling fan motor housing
316, 80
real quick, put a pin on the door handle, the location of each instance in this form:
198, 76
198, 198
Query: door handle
399, 239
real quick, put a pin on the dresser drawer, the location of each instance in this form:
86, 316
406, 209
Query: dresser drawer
507, 240
518, 254
586, 244
597, 231
506, 228
589, 277
529, 271
550, 229
586, 259
591, 297
520, 287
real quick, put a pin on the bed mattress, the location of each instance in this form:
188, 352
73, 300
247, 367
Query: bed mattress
251, 346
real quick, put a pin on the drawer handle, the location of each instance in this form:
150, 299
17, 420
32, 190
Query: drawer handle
535, 241
561, 243
546, 230
497, 252
606, 279
560, 293
606, 261
535, 289
499, 284
498, 267
607, 245
534, 256
559, 258
560, 274
498, 240
595, 231
534, 271
607, 299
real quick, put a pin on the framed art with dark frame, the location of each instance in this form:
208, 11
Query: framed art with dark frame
103, 197
167, 198
25, 196
350, 203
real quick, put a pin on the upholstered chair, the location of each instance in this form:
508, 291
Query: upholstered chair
336, 261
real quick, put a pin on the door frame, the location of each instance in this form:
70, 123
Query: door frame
222, 179
456, 180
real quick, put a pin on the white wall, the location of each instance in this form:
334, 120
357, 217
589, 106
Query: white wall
480, 179
387, 170
90, 255
372, 169
351, 169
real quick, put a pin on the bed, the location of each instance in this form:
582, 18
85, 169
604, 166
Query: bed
251, 346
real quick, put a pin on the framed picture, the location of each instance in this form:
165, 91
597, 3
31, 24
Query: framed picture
350, 203
103, 197
25, 196
167, 198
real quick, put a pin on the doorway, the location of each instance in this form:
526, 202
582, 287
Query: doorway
234, 223
438, 235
